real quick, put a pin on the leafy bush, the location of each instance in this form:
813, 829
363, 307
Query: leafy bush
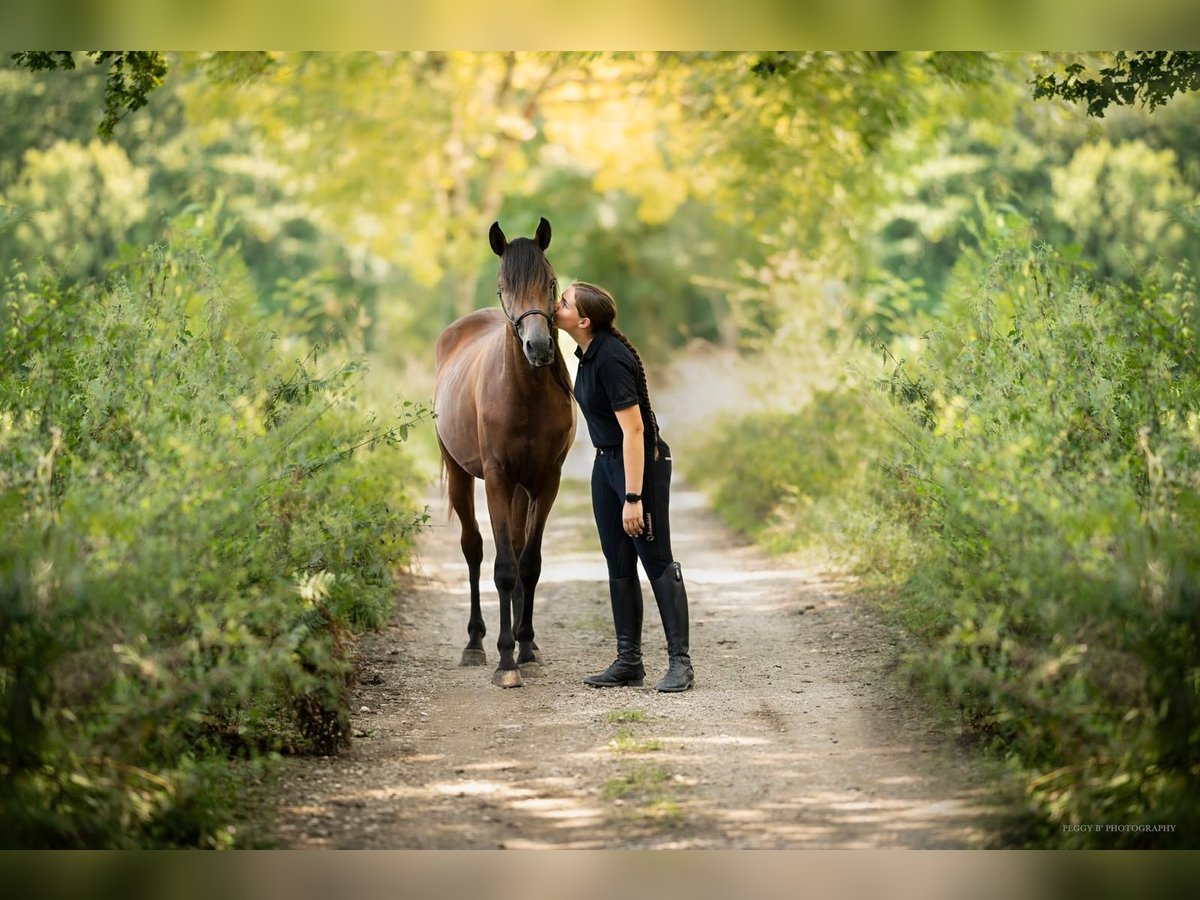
1055, 432
79, 204
1034, 512
786, 478
1124, 205
195, 529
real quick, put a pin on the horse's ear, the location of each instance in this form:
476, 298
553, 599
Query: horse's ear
497, 239
543, 234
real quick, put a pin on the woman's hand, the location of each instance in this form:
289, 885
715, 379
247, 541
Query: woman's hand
632, 520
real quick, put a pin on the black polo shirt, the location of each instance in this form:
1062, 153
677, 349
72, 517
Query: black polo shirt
608, 379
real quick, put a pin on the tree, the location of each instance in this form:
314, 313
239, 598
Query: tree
132, 75
1149, 77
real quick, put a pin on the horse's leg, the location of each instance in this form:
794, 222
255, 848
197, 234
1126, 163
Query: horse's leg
516, 527
531, 568
462, 500
529, 520
500, 498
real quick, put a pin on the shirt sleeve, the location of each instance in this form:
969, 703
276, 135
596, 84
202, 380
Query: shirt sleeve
620, 382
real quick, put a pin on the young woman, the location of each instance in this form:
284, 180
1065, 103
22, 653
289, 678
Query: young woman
631, 487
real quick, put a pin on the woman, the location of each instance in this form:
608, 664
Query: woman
631, 484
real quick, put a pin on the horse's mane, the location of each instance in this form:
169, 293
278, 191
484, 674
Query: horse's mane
558, 368
524, 267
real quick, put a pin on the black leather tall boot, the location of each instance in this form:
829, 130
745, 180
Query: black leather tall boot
627, 669
671, 596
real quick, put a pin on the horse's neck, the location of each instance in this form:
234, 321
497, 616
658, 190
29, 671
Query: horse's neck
515, 367
516, 370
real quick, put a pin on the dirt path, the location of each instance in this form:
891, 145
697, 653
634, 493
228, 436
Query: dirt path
795, 735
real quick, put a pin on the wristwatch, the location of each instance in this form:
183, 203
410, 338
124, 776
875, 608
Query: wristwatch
633, 498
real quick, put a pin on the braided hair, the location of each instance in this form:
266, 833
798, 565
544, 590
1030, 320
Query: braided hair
597, 304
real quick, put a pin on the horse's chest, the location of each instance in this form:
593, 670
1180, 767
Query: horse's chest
529, 426
529, 436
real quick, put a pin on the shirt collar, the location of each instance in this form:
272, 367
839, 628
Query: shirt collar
597, 339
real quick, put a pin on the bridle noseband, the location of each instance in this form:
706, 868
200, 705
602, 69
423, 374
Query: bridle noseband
516, 323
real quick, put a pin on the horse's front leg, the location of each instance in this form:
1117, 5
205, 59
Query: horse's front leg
499, 497
530, 570
518, 523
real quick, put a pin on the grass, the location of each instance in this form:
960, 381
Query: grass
637, 783
664, 811
643, 787
625, 742
645, 790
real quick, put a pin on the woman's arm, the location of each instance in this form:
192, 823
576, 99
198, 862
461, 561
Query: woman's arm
633, 451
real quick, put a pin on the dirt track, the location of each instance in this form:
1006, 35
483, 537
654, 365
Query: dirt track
796, 735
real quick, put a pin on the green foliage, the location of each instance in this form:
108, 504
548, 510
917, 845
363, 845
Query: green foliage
1150, 77
197, 529
81, 204
132, 75
1120, 195
1054, 434
1122, 204
788, 478
653, 270
1030, 515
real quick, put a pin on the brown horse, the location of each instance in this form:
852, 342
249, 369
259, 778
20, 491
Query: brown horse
505, 413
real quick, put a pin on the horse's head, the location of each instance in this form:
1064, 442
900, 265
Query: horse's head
528, 291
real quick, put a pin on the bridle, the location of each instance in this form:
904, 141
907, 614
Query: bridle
516, 323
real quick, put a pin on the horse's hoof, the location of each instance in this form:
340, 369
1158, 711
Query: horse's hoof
506, 678
530, 669
531, 655
472, 657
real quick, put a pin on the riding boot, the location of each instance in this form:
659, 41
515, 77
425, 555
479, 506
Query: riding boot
671, 596
627, 669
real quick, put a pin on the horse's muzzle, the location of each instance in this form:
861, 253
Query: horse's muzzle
538, 353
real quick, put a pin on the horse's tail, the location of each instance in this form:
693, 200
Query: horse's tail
445, 483
444, 480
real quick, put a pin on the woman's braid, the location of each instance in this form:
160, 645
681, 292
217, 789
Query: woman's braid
617, 333
597, 304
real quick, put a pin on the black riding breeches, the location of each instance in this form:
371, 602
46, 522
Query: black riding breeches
608, 503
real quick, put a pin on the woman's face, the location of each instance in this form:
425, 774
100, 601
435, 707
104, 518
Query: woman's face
566, 316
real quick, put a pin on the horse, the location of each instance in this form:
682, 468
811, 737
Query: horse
505, 413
